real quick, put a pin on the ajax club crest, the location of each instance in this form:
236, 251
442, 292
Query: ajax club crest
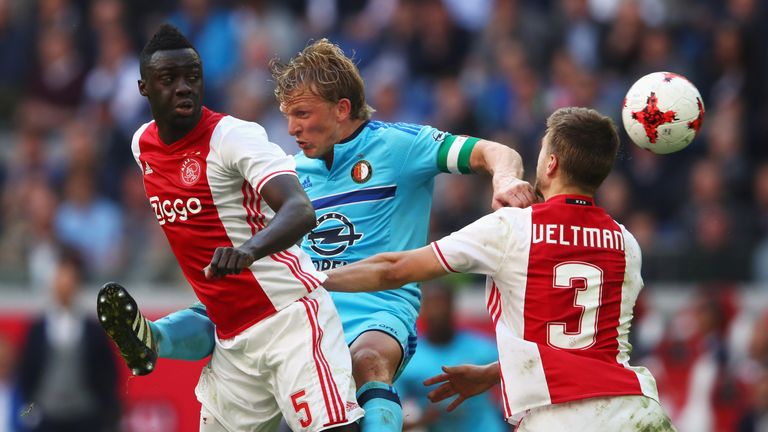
362, 171
190, 171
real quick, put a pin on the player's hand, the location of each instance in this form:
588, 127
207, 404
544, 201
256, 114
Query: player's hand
465, 381
509, 191
226, 261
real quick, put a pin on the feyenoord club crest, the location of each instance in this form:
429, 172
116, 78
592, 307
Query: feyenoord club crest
362, 171
190, 171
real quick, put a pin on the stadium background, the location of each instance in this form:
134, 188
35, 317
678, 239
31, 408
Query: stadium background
489, 68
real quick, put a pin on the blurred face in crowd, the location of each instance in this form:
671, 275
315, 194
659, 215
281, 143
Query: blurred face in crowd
315, 122
173, 84
65, 284
437, 312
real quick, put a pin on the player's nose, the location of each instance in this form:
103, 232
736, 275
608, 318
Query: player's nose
293, 127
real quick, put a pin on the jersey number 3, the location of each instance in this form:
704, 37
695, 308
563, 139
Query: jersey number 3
587, 298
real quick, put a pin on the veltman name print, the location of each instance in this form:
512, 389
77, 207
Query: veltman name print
573, 235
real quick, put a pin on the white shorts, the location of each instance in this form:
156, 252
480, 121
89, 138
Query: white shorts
294, 363
615, 414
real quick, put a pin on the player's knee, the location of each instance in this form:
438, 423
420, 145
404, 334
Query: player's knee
369, 364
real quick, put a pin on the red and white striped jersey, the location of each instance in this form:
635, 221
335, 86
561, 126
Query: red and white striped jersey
563, 278
205, 192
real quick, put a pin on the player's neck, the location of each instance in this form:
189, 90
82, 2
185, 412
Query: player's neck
170, 133
558, 188
347, 129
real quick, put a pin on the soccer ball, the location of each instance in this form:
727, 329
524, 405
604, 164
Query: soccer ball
662, 112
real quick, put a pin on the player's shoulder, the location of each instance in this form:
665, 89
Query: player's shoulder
396, 130
514, 212
139, 132
229, 124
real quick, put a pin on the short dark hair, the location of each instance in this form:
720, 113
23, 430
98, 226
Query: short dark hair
167, 37
585, 142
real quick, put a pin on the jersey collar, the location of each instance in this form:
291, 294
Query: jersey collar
573, 199
355, 133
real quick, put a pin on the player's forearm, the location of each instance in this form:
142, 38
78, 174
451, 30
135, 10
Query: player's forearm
494, 159
372, 274
295, 218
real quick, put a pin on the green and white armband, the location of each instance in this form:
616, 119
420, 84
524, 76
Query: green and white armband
454, 152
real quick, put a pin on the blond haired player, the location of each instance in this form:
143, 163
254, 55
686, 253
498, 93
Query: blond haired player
562, 280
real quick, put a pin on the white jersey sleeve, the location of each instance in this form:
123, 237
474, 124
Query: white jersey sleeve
245, 147
135, 149
480, 247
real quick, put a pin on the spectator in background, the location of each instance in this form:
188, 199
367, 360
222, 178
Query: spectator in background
110, 86
717, 249
444, 344
760, 211
755, 419
211, 30
28, 246
67, 371
90, 223
14, 39
699, 388
8, 394
55, 85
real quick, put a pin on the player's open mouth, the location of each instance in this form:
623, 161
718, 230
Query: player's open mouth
303, 145
185, 108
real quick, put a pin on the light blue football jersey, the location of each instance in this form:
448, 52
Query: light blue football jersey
377, 198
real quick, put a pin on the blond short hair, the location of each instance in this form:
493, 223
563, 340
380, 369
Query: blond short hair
323, 69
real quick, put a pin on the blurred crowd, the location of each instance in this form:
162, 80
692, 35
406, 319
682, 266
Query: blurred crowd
496, 69
490, 68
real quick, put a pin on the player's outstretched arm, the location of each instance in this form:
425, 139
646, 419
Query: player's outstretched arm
294, 217
506, 168
386, 271
464, 380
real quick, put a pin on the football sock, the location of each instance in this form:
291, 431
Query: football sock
383, 412
187, 334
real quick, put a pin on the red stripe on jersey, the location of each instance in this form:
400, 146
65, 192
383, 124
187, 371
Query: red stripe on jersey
504, 397
293, 269
331, 407
296, 263
320, 375
494, 304
332, 387
247, 197
270, 177
180, 194
259, 215
572, 307
442, 258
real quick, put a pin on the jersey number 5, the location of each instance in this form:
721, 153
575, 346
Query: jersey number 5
587, 298
301, 406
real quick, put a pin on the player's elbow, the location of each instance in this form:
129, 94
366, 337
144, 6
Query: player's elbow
305, 216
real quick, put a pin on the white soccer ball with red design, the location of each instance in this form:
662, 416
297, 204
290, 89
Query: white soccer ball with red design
662, 112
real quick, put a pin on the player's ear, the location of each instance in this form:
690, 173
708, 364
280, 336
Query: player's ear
343, 109
552, 164
142, 87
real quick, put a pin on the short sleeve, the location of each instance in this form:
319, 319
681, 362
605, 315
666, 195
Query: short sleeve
480, 247
246, 149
